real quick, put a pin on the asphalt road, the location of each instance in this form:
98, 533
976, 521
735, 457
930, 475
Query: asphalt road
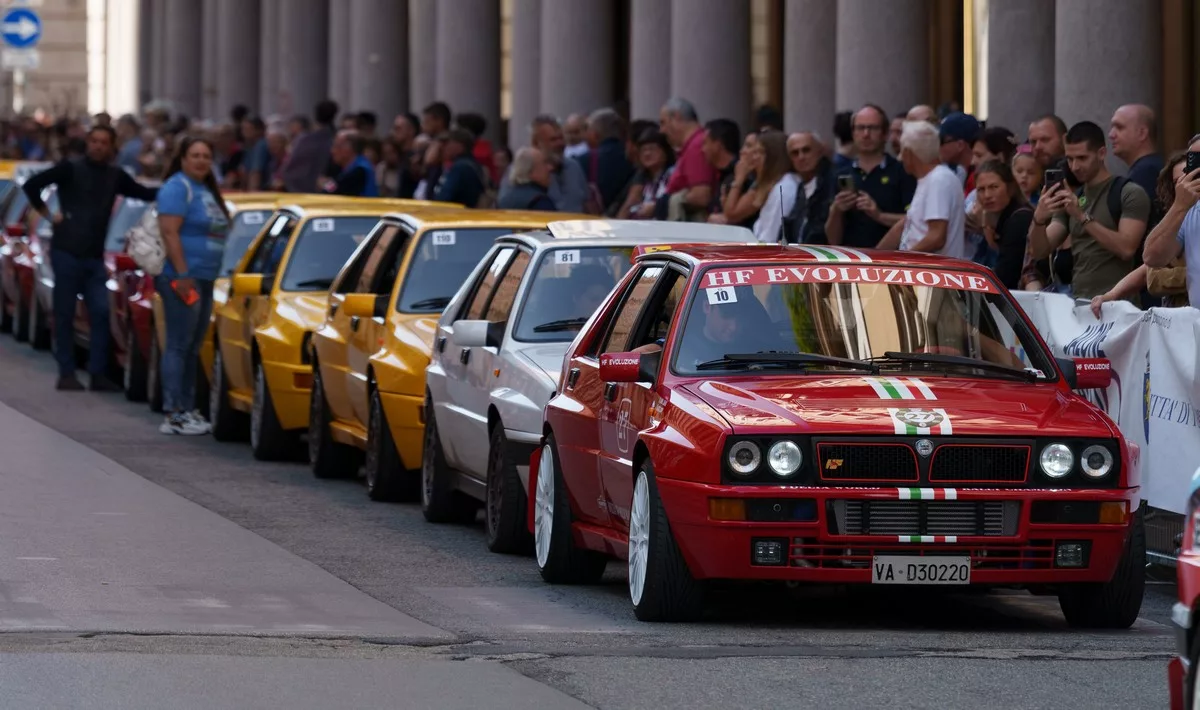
375, 605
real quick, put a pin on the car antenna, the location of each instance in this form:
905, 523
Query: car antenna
782, 234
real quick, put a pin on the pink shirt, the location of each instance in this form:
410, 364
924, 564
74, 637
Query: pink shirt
691, 167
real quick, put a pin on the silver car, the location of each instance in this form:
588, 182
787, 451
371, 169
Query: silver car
498, 355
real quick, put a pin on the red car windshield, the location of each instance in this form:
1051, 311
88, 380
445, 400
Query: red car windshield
896, 317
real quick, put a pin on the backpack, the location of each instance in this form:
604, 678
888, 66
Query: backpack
145, 245
487, 198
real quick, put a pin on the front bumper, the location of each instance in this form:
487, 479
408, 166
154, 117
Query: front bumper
291, 389
1023, 554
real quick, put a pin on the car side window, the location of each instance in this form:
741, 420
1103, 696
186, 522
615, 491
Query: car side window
672, 286
278, 247
376, 257
487, 283
265, 247
626, 316
506, 290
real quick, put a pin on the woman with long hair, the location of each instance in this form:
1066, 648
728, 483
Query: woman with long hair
193, 222
1130, 286
1005, 218
775, 186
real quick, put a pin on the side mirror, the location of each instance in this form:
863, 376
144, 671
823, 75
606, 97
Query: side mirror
477, 334
247, 284
624, 367
1091, 373
363, 305
125, 262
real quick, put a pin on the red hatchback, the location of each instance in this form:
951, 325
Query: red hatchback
1184, 670
822, 414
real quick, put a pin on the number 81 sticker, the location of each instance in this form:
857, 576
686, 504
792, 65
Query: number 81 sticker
567, 256
721, 294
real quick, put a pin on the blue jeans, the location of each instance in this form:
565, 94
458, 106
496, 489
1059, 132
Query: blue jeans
74, 276
186, 326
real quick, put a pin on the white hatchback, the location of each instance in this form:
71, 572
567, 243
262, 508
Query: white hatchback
498, 358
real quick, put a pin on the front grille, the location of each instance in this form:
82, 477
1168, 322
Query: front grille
1032, 555
924, 517
867, 462
979, 464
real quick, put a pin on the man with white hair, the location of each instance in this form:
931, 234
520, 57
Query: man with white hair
530, 178
691, 185
936, 218
575, 135
605, 163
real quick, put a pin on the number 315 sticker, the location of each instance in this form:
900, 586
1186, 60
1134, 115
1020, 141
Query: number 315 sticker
721, 294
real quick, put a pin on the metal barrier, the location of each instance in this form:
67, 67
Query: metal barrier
1164, 530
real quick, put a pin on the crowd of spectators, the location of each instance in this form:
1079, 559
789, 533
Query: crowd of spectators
1041, 209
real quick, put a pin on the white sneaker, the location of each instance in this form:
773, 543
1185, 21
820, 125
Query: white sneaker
181, 425
198, 419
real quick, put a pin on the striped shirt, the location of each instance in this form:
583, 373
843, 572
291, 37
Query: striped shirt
1189, 239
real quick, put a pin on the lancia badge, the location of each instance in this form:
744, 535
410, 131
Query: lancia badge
924, 447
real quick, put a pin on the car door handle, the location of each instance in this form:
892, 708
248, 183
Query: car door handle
333, 308
464, 356
441, 344
610, 391
572, 377
354, 323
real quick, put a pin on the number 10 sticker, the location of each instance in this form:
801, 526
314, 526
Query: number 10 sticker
722, 294
567, 256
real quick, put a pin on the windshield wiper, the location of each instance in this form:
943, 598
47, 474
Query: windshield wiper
955, 361
782, 358
315, 283
556, 326
435, 302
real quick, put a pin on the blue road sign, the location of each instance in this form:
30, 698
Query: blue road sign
21, 28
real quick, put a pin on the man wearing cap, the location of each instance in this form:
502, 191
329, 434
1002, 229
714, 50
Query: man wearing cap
958, 133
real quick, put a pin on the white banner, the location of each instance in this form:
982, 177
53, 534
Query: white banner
1154, 397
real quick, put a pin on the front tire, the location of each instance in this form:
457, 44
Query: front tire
154, 390
440, 501
327, 458
1113, 604
559, 560
228, 424
505, 509
135, 376
268, 440
39, 332
661, 586
21, 314
387, 479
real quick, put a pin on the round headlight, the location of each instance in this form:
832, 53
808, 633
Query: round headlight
784, 458
1057, 460
1096, 461
744, 457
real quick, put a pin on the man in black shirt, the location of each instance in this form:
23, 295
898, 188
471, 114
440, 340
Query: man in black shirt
87, 189
722, 140
882, 190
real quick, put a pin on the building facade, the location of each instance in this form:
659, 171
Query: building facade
1007, 61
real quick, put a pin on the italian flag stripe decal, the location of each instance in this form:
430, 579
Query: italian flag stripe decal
928, 538
908, 421
835, 255
927, 493
900, 388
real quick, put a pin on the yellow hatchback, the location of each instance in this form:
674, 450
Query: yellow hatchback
277, 298
370, 355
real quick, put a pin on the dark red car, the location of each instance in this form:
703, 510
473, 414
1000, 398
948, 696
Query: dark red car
1184, 670
820, 414
17, 255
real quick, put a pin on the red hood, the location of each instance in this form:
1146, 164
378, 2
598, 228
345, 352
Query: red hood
890, 405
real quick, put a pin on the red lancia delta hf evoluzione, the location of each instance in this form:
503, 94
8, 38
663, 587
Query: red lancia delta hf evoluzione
831, 415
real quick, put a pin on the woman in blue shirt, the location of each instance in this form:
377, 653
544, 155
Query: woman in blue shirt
193, 221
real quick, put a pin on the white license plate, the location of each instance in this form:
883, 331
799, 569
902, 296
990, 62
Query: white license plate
912, 569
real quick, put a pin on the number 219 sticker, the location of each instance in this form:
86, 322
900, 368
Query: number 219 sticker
722, 294
443, 239
567, 256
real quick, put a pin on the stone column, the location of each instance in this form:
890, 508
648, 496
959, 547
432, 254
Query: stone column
238, 32
1106, 54
809, 55
268, 59
1019, 63
882, 54
339, 53
468, 58
422, 53
145, 41
181, 55
525, 58
208, 63
158, 58
649, 42
710, 57
378, 51
303, 55
577, 41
